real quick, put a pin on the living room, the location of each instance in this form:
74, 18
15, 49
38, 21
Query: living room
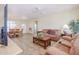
39, 17
52, 23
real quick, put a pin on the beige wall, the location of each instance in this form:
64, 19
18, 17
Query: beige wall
58, 20
1, 15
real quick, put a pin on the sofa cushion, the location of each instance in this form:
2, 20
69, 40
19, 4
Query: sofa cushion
75, 47
55, 51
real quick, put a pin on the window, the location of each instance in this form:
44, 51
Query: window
10, 25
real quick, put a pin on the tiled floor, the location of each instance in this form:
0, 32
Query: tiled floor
25, 42
11, 49
29, 48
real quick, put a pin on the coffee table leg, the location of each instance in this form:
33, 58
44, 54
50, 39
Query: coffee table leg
33, 40
49, 43
45, 45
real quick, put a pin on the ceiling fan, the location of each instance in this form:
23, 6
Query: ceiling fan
37, 13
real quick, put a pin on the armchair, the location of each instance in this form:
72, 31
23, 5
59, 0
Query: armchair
60, 49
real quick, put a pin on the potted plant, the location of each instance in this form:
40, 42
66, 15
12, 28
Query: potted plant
74, 26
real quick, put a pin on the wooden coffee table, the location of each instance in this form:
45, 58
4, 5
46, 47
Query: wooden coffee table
44, 42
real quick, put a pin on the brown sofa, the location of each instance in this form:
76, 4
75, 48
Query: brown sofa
59, 49
54, 34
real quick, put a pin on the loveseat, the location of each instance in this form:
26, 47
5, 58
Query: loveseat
54, 34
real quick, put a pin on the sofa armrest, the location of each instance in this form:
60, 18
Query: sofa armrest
66, 43
68, 38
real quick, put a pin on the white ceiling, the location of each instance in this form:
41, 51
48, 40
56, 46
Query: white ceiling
29, 11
